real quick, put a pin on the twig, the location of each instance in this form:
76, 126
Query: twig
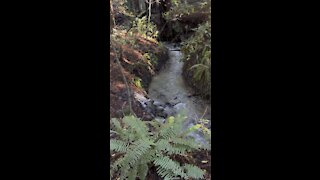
204, 112
125, 80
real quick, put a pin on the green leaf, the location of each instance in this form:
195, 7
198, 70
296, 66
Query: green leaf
143, 171
118, 145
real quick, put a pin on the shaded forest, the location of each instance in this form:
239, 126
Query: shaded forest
146, 37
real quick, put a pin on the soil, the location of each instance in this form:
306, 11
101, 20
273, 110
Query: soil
135, 65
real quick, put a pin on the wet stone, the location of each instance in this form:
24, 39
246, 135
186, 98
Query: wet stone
160, 108
179, 106
174, 101
148, 117
169, 111
157, 103
161, 120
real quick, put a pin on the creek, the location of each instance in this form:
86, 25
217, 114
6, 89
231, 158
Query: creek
168, 94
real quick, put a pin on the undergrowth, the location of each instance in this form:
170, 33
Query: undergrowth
197, 49
139, 145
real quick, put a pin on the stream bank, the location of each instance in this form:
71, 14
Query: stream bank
137, 69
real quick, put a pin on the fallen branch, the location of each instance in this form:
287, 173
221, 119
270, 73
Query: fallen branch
124, 79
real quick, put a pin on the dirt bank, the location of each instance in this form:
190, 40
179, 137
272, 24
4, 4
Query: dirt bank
140, 62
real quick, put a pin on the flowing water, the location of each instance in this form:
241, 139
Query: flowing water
169, 93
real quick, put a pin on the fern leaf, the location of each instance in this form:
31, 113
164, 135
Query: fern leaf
118, 146
143, 171
133, 173
170, 131
193, 171
164, 145
198, 65
170, 176
136, 124
117, 128
190, 143
134, 153
166, 174
117, 125
167, 131
149, 156
167, 165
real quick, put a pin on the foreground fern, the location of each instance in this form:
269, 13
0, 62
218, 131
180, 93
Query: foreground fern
140, 149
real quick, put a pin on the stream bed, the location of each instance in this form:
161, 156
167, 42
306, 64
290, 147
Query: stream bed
168, 95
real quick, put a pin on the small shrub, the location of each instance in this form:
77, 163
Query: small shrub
142, 27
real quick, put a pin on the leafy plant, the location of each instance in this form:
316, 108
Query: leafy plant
141, 26
137, 81
197, 50
140, 149
184, 15
182, 8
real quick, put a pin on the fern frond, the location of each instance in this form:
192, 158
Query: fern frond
117, 128
190, 143
177, 150
118, 146
149, 156
133, 173
164, 145
179, 122
116, 124
136, 124
140, 148
157, 126
167, 131
167, 166
142, 171
193, 171
170, 176
135, 152
167, 174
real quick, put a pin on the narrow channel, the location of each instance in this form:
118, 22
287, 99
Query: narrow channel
169, 89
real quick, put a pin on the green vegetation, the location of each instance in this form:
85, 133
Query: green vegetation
140, 148
197, 48
141, 26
